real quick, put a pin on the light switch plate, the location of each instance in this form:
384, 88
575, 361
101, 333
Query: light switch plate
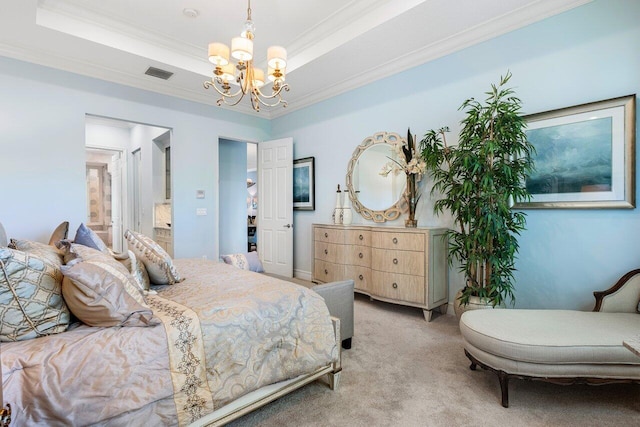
201, 211
199, 194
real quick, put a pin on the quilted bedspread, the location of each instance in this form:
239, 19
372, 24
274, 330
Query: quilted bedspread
225, 332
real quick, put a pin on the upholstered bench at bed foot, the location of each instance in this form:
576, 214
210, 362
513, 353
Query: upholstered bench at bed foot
339, 299
561, 346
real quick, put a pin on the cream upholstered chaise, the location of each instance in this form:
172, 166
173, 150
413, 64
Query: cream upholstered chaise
559, 346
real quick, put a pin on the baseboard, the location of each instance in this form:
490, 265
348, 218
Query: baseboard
302, 275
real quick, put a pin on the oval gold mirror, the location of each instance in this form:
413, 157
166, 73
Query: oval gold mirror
375, 196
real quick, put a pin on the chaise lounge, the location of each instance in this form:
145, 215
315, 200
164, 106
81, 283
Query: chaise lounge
559, 346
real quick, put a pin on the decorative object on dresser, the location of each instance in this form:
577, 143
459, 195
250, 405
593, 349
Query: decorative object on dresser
478, 181
398, 265
347, 214
337, 211
372, 195
406, 160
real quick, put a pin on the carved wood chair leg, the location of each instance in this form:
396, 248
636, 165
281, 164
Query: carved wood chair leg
504, 387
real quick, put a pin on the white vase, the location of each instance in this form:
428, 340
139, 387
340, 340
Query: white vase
338, 211
347, 214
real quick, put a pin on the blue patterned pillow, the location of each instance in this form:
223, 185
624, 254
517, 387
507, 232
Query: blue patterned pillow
246, 261
87, 237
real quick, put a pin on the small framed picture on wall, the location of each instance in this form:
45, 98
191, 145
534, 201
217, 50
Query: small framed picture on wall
304, 184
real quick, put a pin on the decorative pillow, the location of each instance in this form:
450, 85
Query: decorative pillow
49, 253
246, 261
99, 294
59, 233
88, 237
137, 270
3, 236
157, 262
72, 251
31, 303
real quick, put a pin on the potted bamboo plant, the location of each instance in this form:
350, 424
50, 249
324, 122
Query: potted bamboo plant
479, 180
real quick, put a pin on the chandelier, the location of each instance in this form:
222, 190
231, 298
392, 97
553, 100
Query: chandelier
243, 74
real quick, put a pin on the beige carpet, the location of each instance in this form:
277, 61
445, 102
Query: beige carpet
402, 371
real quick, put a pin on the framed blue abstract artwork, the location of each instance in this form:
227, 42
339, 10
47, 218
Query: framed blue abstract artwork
585, 156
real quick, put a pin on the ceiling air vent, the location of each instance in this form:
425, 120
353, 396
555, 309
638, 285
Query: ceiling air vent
157, 72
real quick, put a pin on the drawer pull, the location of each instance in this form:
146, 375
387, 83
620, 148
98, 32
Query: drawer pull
361, 277
360, 255
394, 286
361, 237
326, 271
326, 234
395, 240
395, 260
326, 252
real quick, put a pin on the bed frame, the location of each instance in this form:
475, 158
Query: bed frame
258, 398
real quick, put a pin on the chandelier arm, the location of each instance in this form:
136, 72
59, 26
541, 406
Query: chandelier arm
225, 96
264, 102
276, 93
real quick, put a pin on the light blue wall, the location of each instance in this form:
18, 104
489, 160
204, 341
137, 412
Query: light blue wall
233, 196
42, 137
587, 54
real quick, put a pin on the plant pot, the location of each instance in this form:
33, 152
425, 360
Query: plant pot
475, 303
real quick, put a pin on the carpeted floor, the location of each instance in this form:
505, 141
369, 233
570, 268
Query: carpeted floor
403, 371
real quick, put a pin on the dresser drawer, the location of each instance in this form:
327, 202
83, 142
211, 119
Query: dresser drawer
357, 255
330, 252
361, 277
327, 271
358, 237
328, 235
400, 241
406, 262
401, 287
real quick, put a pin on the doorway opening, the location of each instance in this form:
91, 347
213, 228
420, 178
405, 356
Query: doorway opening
128, 173
238, 184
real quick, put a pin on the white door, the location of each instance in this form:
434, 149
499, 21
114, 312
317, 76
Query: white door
116, 201
275, 214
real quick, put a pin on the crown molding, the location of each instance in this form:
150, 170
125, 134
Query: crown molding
494, 28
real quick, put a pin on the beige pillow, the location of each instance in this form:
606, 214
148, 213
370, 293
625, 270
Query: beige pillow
59, 233
3, 236
100, 294
158, 263
50, 253
31, 303
136, 268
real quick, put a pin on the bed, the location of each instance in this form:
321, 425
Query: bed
220, 343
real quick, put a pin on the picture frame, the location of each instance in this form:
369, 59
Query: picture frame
585, 156
304, 197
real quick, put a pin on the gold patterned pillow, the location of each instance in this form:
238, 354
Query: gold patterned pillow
50, 253
158, 263
31, 303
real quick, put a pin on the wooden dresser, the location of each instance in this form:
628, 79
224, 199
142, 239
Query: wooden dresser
400, 265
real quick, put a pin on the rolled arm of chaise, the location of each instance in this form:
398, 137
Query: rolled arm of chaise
623, 297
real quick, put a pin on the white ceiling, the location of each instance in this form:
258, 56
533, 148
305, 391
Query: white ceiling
333, 45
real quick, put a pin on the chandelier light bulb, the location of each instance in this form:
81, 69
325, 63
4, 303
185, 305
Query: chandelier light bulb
218, 54
242, 48
277, 57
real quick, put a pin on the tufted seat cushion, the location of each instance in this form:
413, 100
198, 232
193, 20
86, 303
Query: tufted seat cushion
555, 337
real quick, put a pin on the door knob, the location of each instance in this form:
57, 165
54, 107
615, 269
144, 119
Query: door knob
288, 226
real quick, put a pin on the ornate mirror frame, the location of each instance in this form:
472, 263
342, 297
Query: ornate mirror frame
394, 211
